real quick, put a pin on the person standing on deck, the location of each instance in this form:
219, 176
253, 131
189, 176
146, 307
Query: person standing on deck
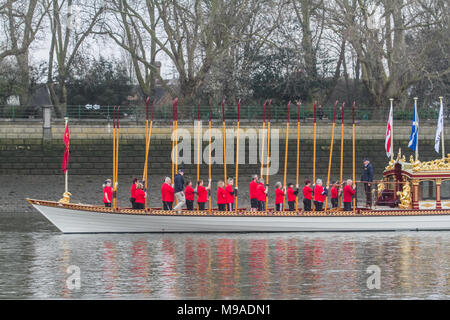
279, 196
253, 197
190, 196
221, 196
107, 193
179, 190
291, 196
320, 194
349, 192
230, 193
140, 196
307, 196
367, 178
202, 194
334, 195
167, 194
133, 193
261, 193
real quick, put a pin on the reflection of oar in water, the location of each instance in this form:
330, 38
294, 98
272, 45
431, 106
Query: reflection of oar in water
237, 156
286, 155
147, 148
331, 152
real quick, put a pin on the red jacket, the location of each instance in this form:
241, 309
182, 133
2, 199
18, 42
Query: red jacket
221, 196
229, 196
348, 193
260, 192
253, 185
133, 191
202, 194
290, 194
167, 193
108, 191
334, 193
189, 193
140, 196
279, 196
318, 196
307, 191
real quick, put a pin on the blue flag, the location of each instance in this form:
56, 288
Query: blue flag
414, 131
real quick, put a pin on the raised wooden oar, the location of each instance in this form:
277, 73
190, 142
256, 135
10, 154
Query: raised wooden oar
198, 143
224, 131
268, 154
314, 150
176, 140
341, 176
173, 138
114, 152
298, 151
353, 141
115, 188
263, 141
286, 154
147, 149
209, 159
237, 157
331, 152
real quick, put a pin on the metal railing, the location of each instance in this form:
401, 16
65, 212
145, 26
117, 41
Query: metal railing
248, 113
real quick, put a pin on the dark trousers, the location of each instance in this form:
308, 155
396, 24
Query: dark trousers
347, 206
306, 204
108, 205
291, 205
230, 206
190, 204
201, 205
334, 202
261, 206
278, 207
318, 205
222, 206
139, 205
133, 202
368, 191
167, 205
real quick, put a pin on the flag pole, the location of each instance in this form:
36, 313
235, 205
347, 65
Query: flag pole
341, 176
314, 149
263, 141
392, 129
298, 150
331, 152
286, 153
237, 155
268, 153
416, 116
353, 142
442, 133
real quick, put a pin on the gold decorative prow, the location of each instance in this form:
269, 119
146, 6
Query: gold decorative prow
66, 198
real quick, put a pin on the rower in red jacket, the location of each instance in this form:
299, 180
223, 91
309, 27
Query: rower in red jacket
189, 196
334, 195
292, 195
320, 193
202, 194
221, 196
261, 194
253, 196
279, 196
167, 194
140, 196
349, 191
307, 196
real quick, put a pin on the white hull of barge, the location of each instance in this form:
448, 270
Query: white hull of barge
80, 221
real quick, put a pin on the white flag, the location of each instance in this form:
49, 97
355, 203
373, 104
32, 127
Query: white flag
440, 129
388, 145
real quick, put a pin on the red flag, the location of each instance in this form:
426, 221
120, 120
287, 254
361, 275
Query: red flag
388, 142
65, 162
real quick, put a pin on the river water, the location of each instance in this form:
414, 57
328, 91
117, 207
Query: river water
38, 262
